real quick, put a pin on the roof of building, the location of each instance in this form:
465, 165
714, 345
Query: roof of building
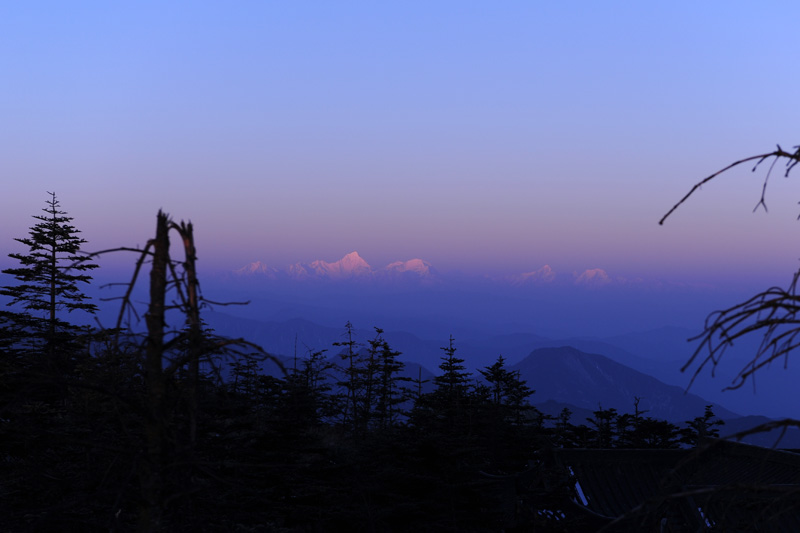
725, 484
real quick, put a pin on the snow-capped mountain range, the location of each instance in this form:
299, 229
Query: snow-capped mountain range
350, 267
353, 267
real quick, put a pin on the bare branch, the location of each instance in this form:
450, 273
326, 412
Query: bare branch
773, 313
212, 302
793, 158
766, 427
126, 299
123, 249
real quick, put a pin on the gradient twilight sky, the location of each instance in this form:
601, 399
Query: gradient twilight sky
479, 136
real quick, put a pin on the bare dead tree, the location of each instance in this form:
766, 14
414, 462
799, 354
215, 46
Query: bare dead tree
151, 473
170, 360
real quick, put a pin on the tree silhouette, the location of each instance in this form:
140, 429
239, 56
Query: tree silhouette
49, 276
390, 393
449, 402
350, 383
701, 428
507, 390
603, 431
453, 383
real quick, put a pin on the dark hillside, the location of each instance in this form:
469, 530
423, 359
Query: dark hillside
567, 375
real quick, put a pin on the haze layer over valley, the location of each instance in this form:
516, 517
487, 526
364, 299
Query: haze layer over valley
414, 294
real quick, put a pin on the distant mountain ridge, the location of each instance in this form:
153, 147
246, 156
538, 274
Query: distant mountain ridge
350, 267
591, 381
353, 267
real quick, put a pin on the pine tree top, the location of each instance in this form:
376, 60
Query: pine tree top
53, 267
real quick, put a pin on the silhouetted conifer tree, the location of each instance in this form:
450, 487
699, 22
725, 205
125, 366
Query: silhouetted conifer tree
508, 391
390, 393
701, 427
655, 433
48, 279
497, 376
350, 381
603, 431
453, 384
450, 401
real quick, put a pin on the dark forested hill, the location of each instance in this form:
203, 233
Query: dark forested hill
568, 375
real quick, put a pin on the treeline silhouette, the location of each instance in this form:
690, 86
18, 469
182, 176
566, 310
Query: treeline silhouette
166, 426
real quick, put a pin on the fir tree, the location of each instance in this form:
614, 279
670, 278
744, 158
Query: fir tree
658, 434
701, 428
496, 375
453, 383
449, 401
368, 373
507, 389
390, 394
49, 276
603, 431
350, 383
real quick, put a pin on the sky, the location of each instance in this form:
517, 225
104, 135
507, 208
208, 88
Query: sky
483, 137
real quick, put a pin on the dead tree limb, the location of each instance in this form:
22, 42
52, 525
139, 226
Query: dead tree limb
779, 153
773, 313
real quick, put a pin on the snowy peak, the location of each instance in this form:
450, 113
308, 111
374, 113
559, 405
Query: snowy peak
593, 277
298, 271
543, 275
257, 267
353, 261
417, 266
350, 266
353, 268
